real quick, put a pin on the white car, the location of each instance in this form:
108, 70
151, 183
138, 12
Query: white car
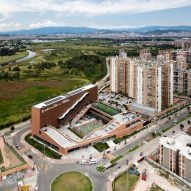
83, 162
92, 161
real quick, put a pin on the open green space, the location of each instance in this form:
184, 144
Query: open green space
73, 63
101, 146
17, 98
156, 188
125, 182
106, 109
18, 55
72, 181
42, 148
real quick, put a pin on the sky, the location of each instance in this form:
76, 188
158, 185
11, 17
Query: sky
28, 14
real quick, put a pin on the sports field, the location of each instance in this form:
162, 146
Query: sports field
106, 109
85, 129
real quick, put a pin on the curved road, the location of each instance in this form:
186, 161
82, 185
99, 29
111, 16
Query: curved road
29, 56
48, 169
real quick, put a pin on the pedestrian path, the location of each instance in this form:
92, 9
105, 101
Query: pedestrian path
153, 178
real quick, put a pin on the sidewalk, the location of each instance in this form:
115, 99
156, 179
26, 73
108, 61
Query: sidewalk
153, 178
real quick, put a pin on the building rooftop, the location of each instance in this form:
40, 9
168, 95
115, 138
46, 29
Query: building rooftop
142, 109
63, 97
58, 137
181, 142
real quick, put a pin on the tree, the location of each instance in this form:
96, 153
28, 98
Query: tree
12, 128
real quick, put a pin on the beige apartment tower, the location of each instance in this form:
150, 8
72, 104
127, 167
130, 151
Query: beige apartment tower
149, 82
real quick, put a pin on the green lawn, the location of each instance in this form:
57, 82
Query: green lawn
18, 55
71, 181
156, 188
107, 109
125, 182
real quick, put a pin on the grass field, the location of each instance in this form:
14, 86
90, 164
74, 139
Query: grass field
16, 98
107, 109
71, 181
125, 182
4, 59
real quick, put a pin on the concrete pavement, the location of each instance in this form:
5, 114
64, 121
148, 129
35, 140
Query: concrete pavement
48, 169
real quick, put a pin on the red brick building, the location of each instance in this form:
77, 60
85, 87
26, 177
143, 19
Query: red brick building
49, 117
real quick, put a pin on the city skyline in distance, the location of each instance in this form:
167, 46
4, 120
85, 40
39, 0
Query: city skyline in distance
104, 14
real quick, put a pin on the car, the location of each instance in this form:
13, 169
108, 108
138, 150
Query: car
175, 120
82, 162
30, 156
92, 161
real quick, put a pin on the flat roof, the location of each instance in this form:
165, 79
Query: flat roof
114, 124
62, 97
58, 137
179, 142
124, 118
143, 109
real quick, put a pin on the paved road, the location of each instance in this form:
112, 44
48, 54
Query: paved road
48, 169
28, 57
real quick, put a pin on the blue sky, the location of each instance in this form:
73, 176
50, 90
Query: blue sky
26, 14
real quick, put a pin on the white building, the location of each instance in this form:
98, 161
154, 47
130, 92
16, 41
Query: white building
175, 154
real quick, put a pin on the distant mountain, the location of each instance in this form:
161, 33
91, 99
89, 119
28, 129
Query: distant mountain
53, 30
159, 32
87, 30
147, 29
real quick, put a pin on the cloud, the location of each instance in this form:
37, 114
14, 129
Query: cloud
11, 25
43, 24
89, 7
